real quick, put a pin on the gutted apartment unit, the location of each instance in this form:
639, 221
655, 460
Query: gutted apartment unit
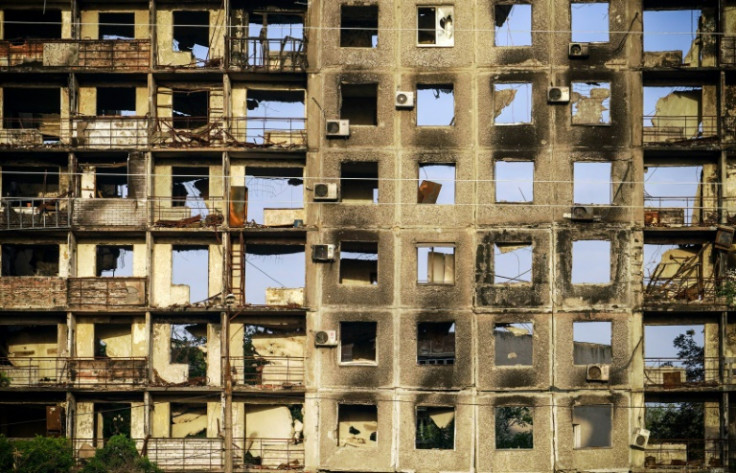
371, 235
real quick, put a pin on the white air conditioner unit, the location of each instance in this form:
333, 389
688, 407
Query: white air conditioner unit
583, 213
325, 191
404, 99
578, 50
558, 94
323, 252
597, 372
640, 438
325, 338
338, 128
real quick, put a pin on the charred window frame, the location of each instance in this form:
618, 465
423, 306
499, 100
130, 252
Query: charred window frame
435, 26
514, 427
591, 103
114, 260
31, 182
111, 182
30, 260
513, 25
436, 264
117, 26
435, 428
191, 28
512, 103
436, 343
359, 26
435, 105
513, 344
432, 179
357, 425
592, 182
513, 263
359, 182
591, 262
46, 24
359, 263
592, 426
358, 343
359, 103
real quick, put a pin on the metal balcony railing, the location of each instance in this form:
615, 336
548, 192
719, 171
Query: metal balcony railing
107, 371
189, 132
119, 55
187, 454
106, 293
269, 454
270, 55
679, 373
34, 371
110, 132
680, 211
685, 454
187, 211
267, 371
20, 213
269, 132
685, 286
666, 129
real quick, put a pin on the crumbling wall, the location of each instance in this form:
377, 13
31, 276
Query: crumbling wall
165, 39
164, 370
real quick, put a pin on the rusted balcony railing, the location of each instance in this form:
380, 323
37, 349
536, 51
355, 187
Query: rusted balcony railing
119, 55
43, 131
107, 293
116, 371
664, 288
667, 129
188, 454
679, 211
268, 55
269, 132
685, 454
189, 132
268, 371
680, 373
117, 212
34, 213
110, 132
269, 454
187, 212
33, 371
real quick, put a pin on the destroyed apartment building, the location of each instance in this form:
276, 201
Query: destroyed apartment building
371, 235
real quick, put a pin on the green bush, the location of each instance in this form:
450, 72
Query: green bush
6, 454
119, 455
43, 455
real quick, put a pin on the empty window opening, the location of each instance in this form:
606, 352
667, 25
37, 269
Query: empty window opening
117, 26
273, 355
357, 425
514, 427
591, 262
436, 184
435, 428
591, 343
190, 267
30, 260
269, 37
514, 181
592, 425
111, 182
592, 183
116, 101
274, 274
190, 108
675, 354
435, 105
436, 264
190, 188
32, 341
271, 193
359, 183
188, 420
115, 261
436, 343
678, 434
37, 108
24, 421
275, 118
110, 420
358, 342
514, 344
589, 22
435, 26
513, 25
678, 113
189, 347
275, 27
359, 263
512, 263
192, 33
674, 49
359, 26
30, 182
359, 103
19, 25
680, 195
512, 104
113, 341
591, 103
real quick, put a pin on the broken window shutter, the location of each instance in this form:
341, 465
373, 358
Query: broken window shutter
445, 28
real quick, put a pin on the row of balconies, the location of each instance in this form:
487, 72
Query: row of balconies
281, 55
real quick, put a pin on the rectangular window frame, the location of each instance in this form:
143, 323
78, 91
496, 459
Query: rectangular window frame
441, 37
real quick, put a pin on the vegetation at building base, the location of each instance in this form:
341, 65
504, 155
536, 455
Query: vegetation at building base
55, 455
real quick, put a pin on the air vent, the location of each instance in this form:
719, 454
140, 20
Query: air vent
640, 438
597, 372
578, 50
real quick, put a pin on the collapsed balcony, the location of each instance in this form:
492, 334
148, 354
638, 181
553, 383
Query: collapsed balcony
685, 454
32, 117
63, 371
263, 41
683, 273
695, 46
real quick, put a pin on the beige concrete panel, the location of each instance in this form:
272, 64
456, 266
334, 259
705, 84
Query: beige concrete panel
66, 23
215, 269
64, 257
139, 344
161, 420
84, 420
118, 340
86, 260
214, 419
164, 102
164, 369
214, 355
139, 260
90, 28
137, 420
162, 183
142, 21
165, 42
217, 34
85, 336
141, 101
